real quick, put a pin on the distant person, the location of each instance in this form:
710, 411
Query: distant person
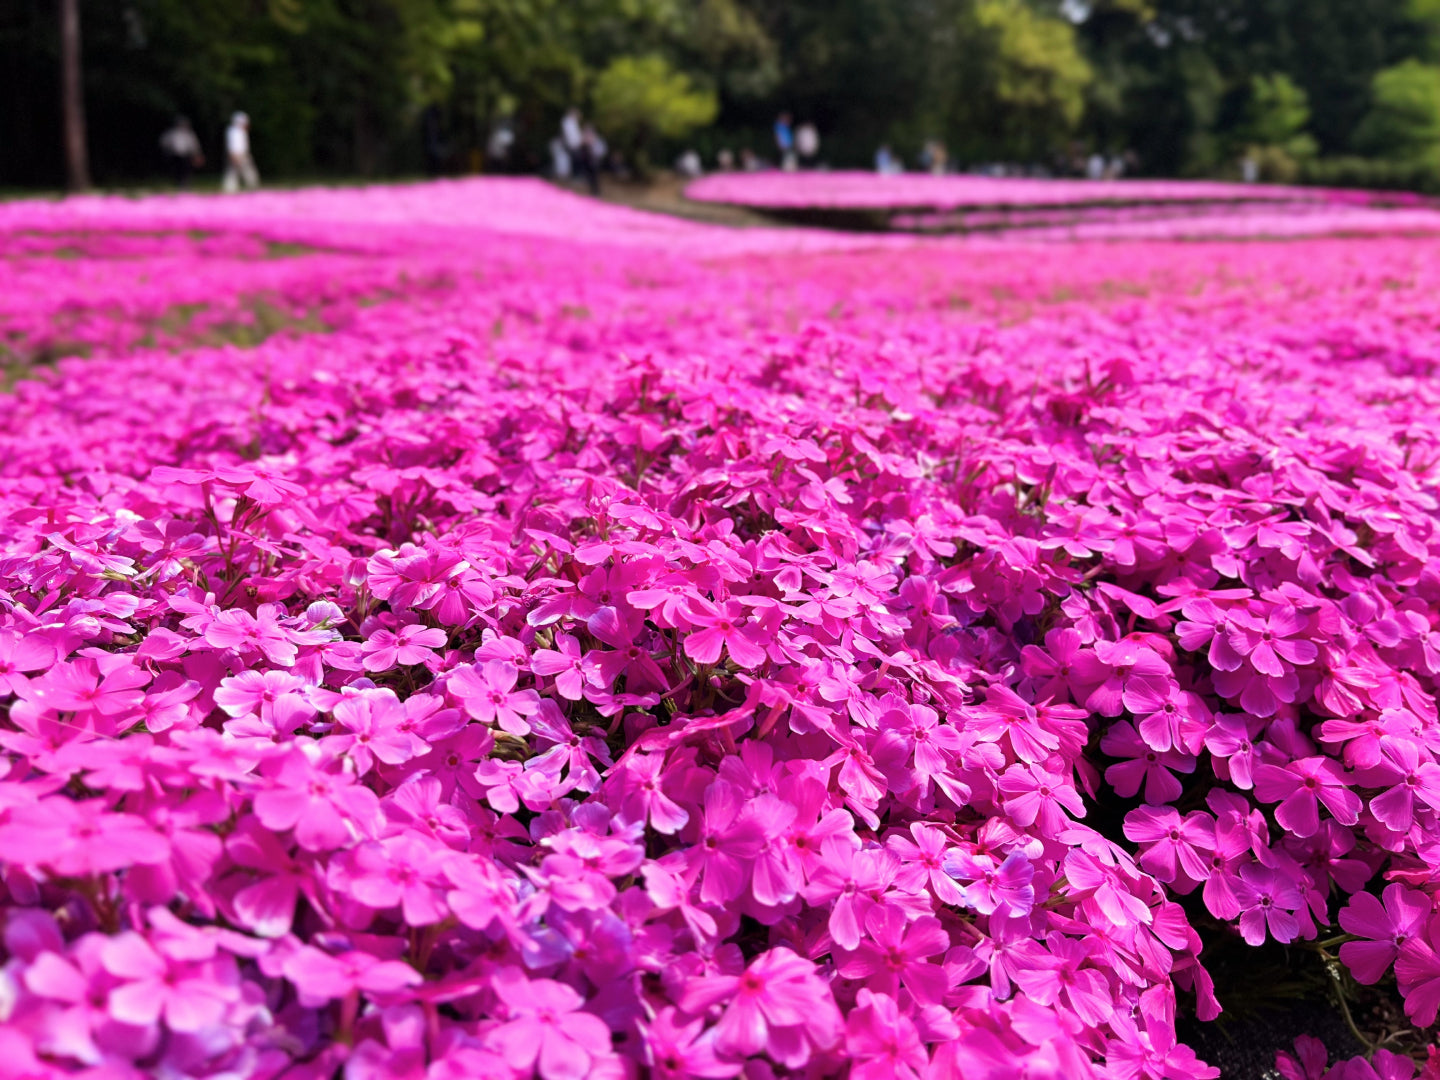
688, 165
181, 147
599, 148
785, 141
807, 144
562, 165
725, 160
750, 161
1095, 167
239, 165
886, 163
432, 136
591, 158
497, 149
1249, 169
572, 133
933, 157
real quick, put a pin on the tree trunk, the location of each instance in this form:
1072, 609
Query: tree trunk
77, 164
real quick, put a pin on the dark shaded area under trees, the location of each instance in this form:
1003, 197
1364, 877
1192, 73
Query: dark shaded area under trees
338, 88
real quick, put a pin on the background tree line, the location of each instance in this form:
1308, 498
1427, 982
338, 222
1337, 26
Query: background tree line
338, 87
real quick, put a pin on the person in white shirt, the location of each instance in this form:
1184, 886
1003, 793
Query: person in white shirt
561, 163
239, 165
181, 148
572, 132
807, 144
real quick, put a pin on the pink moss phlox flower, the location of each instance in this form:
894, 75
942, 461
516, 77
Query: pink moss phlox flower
1172, 718
1271, 642
254, 634
319, 977
896, 952
883, 1040
546, 1028
566, 663
1142, 764
988, 887
1386, 923
1034, 795
852, 882
488, 694
1268, 901
187, 995
78, 838
21, 655
927, 847
680, 1051
1114, 669
1412, 778
1231, 742
724, 626
413, 644
1385, 1065
1307, 1063
1301, 787
777, 1006
727, 844
110, 687
1171, 846
1065, 978
327, 809
403, 870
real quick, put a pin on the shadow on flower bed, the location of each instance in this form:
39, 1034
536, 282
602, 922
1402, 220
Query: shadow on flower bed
246, 324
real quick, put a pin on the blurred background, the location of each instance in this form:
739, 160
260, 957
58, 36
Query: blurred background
1323, 91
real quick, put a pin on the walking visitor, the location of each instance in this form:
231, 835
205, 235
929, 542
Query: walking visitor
807, 144
181, 147
785, 141
239, 164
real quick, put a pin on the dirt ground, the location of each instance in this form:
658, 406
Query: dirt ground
665, 195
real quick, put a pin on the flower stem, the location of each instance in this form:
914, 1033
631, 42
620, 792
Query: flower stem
1332, 969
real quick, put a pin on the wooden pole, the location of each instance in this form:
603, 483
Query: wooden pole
72, 94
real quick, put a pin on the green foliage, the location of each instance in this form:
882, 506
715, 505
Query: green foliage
338, 86
638, 97
1030, 92
725, 39
1276, 116
1425, 12
1358, 172
645, 94
1404, 119
1272, 128
1180, 114
1037, 66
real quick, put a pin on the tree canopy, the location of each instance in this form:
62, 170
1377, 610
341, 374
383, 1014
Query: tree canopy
337, 87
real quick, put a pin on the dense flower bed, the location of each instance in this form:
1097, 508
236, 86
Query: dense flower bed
666, 653
1178, 221
1068, 210
858, 190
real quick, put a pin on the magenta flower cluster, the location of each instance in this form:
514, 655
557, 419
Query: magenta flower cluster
1180, 221
1311, 1061
609, 662
861, 190
1079, 210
